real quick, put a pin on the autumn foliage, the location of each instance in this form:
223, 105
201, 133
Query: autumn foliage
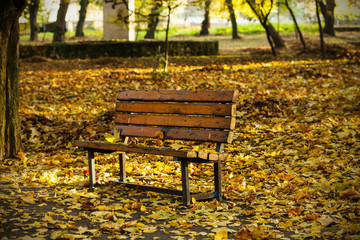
293, 169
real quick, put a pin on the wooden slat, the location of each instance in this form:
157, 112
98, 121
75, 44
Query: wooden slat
179, 96
176, 121
132, 149
177, 108
176, 133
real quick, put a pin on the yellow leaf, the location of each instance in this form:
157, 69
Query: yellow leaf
29, 199
129, 169
57, 234
143, 208
109, 137
222, 234
159, 135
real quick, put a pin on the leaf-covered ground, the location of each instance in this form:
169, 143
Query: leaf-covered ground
293, 170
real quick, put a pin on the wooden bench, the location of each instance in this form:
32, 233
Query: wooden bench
201, 116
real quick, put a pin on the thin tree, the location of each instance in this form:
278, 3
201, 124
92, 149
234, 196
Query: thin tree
33, 7
82, 15
263, 16
60, 25
322, 43
171, 5
230, 6
296, 24
205, 25
10, 136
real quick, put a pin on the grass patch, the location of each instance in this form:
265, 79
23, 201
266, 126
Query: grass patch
248, 29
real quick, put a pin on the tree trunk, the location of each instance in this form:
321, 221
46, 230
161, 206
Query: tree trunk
232, 19
329, 17
275, 36
269, 38
33, 11
322, 43
60, 25
296, 24
167, 41
82, 15
10, 137
153, 21
205, 25
13, 129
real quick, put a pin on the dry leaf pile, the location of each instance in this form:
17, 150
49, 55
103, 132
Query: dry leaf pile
293, 170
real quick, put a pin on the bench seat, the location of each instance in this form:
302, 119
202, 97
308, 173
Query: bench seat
200, 116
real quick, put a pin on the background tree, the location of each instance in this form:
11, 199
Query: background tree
262, 12
322, 43
328, 12
153, 19
60, 25
171, 5
33, 12
296, 24
205, 25
10, 136
82, 15
230, 6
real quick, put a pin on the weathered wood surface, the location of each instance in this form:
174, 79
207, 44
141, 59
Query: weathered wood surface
176, 133
88, 145
177, 108
176, 121
179, 96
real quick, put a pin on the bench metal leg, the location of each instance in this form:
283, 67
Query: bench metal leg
91, 168
185, 181
217, 180
122, 176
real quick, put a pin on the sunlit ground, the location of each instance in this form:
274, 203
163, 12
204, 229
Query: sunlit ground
293, 169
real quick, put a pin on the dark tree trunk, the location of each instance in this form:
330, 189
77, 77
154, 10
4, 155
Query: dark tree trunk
275, 36
232, 19
205, 25
13, 130
322, 43
33, 11
263, 18
269, 38
153, 21
296, 24
82, 15
167, 40
329, 17
60, 25
10, 137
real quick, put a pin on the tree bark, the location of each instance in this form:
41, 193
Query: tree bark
205, 25
10, 137
82, 15
13, 129
153, 21
167, 40
322, 43
275, 36
60, 25
329, 17
296, 24
33, 11
232, 19
263, 18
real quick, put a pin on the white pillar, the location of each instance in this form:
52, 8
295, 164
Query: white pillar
115, 27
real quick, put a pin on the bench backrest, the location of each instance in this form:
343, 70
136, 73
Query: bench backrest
207, 116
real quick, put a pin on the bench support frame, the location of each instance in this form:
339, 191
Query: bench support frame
185, 193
